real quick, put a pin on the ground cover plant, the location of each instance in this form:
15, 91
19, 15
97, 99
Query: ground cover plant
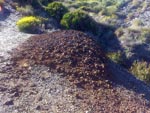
25, 10
141, 70
107, 8
116, 57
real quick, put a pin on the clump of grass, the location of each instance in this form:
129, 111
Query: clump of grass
109, 11
119, 32
136, 24
99, 5
26, 10
116, 57
141, 70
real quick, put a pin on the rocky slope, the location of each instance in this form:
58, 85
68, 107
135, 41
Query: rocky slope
36, 89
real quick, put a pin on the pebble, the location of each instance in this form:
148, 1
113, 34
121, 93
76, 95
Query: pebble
9, 102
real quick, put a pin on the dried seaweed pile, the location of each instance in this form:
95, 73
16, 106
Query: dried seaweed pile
70, 52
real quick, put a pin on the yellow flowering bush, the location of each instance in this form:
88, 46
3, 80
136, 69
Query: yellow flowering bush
29, 24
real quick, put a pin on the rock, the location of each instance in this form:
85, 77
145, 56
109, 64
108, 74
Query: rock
38, 107
9, 102
2, 89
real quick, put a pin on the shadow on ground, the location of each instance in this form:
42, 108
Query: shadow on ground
4, 14
141, 52
123, 78
120, 76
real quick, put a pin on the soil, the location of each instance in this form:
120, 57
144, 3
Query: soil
31, 85
70, 52
35, 86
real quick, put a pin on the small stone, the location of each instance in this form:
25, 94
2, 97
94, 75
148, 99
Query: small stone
2, 89
38, 107
10, 102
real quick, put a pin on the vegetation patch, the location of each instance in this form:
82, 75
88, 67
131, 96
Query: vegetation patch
78, 20
29, 24
26, 10
33, 3
141, 70
56, 10
116, 57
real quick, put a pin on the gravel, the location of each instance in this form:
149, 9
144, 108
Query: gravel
38, 90
10, 37
143, 14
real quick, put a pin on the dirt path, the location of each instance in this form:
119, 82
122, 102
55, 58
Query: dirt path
10, 37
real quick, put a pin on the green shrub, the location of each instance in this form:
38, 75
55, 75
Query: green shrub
141, 70
29, 24
78, 20
56, 10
